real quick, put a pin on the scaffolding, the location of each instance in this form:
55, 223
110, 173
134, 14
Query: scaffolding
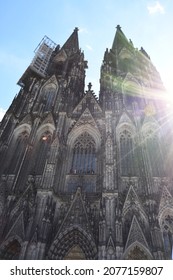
42, 56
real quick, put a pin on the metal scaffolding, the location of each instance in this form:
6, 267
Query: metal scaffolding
42, 55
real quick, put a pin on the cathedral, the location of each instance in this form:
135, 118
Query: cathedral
85, 177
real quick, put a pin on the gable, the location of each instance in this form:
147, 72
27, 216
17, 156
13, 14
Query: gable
136, 234
88, 101
132, 203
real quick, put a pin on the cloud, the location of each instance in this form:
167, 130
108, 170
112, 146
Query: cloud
2, 113
83, 30
156, 8
89, 47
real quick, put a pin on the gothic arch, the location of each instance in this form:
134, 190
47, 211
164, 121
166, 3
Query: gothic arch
21, 128
131, 91
135, 210
42, 149
166, 225
168, 210
43, 128
126, 126
94, 143
152, 148
18, 147
81, 129
136, 251
84, 154
127, 155
70, 238
151, 125
48, 93
52, 83
10, 249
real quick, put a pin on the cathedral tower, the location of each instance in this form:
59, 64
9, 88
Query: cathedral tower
85, 177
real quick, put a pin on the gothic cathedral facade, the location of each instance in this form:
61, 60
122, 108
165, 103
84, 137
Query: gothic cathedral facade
81, 176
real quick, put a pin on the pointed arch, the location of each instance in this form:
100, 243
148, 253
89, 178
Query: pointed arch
48, 93
84, 154
54, 151
22, 127
152, 149
127, 150
65, 242
133, 206
49, 127
10, 249
42, 148
84, 143
166, 225
18, 147
74, 133
75, 253
131, 89
137, 251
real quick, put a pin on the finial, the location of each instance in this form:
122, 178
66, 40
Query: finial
76, 29
118, 27
89, 86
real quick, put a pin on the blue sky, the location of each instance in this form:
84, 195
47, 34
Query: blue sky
24, 23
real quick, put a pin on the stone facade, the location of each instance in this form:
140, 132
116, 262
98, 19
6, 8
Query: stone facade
85, 177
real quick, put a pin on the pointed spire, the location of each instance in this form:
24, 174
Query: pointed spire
120, 39
72, 42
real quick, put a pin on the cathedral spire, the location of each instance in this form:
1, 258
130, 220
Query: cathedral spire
72, 42
120, 39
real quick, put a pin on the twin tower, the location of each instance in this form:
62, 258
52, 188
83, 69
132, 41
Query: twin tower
83, 177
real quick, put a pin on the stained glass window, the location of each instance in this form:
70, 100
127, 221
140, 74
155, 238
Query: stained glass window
84, 155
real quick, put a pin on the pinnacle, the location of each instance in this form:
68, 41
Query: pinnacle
120, 39
72, 42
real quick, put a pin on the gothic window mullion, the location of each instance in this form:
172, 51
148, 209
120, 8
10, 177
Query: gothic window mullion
43, 147
123, 160
89, 159
86, 158
126, 156
127, 159
80, 159
93, 169
77, 159
19, 152
15, 161
73, 159
83, 161
84, 154
131, 159
77, 153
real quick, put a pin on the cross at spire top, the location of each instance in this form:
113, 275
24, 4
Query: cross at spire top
89, 86
76, 29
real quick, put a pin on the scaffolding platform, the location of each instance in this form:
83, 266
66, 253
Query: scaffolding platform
42, 56
41, 59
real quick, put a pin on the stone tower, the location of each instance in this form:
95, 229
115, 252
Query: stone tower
85, 177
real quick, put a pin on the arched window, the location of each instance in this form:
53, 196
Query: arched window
137, 254
48, 97
152, 147
11, 251
18, 152
127, 158
132, 95
84, 155
42, 152
167, 227
75, 253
